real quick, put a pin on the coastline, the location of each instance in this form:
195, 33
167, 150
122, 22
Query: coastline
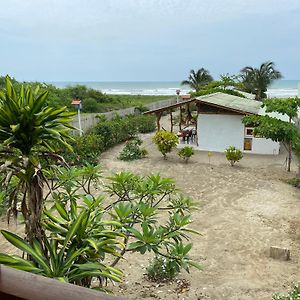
282, 88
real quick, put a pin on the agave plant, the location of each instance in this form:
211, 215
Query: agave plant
29, 129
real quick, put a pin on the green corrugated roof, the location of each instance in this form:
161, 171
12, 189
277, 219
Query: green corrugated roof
232, 102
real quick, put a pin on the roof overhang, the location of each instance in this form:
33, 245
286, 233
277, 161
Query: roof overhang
169, 107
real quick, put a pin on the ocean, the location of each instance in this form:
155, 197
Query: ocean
280, 88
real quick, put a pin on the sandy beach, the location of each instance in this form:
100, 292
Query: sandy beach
243, 210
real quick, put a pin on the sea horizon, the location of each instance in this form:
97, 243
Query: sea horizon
280, 88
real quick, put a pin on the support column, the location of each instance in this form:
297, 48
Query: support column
171, 117
180, 118
158, 116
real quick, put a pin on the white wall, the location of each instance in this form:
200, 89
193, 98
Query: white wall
264, 146
216, 132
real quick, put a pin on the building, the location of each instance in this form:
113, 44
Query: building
219, 123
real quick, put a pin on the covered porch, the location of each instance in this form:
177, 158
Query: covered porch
182, 120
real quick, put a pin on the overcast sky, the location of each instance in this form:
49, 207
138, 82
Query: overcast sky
141, 40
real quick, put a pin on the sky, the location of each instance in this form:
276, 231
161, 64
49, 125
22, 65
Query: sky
145, 40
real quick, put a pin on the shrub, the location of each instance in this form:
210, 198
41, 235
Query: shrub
293, 295
294, 182
144, 123
233, 155
161, 269
165, 142
90, 105
86, 149
140, 109
121, 129
86, 235
185, 153
132, 150
218, 90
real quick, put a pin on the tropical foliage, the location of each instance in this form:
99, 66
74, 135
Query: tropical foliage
206, 91
293, 295
132, 150
29, 132
185, 153
198, 79
257, 80
120, 129
86, 236
233, 155
275, 129
165, 142
93, 101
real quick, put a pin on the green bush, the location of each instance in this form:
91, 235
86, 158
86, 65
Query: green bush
218, 90
293, 295
294, 182
144, 123
121, 129
165, 142
185, 153
86, 149
85, 238
132, 150
233, 155
161, 269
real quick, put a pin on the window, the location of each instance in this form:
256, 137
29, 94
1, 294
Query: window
247, 144
249, 131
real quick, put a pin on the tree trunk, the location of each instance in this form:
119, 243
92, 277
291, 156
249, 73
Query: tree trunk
33, 207
289, 157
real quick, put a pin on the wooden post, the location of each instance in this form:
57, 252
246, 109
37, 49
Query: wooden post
158, 116
198, 108
171, 117
180, 118
189, 115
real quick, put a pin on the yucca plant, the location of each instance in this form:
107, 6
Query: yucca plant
29, 130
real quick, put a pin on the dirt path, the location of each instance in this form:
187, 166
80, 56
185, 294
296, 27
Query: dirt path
243, 211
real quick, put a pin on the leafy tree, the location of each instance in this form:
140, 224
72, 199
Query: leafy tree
257, 80
275, 129
165, 142
29, 131
227, 80
198, 79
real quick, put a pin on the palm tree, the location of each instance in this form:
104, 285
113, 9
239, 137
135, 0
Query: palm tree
256, 81
29, 131
198, 79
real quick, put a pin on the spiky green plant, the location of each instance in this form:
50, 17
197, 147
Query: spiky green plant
29, 129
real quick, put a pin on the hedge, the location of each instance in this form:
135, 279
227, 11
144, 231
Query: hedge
106, 134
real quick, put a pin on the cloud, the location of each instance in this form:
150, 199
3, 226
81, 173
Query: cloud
155, 39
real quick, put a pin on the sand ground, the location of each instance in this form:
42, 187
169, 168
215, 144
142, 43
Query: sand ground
244, 210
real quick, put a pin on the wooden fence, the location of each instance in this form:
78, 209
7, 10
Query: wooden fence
20, 285
91, 119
